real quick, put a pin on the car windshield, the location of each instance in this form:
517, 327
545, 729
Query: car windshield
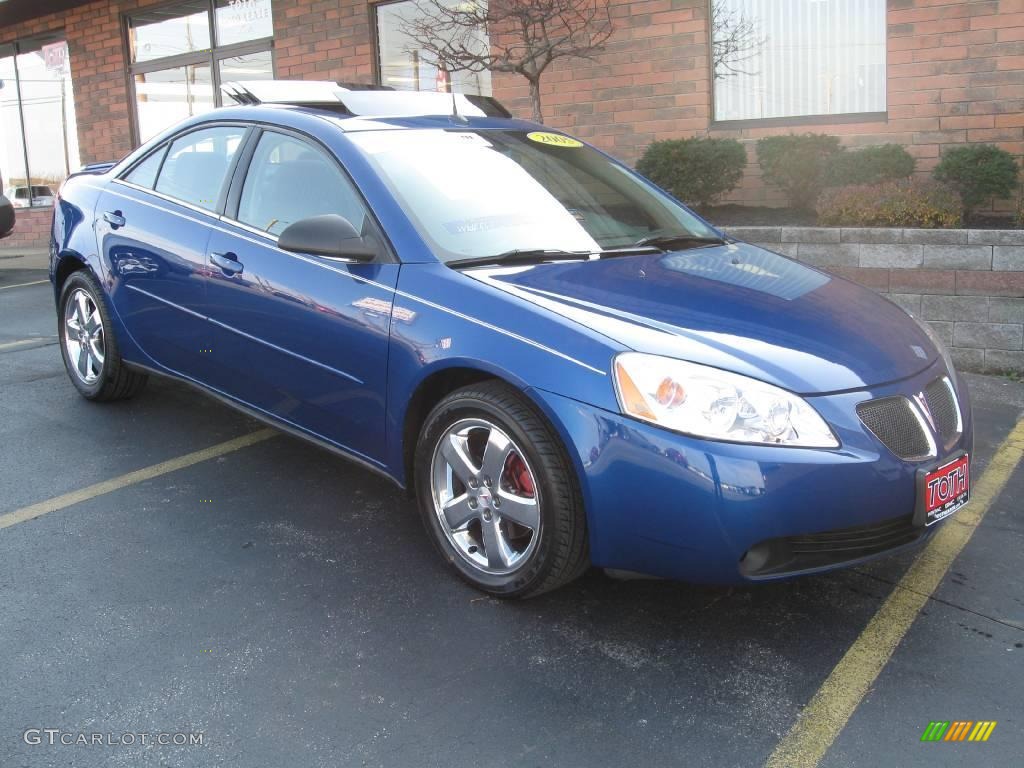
473, 194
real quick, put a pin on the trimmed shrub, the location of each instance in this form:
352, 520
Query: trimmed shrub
797, 164
697, 171
978, 172
905, 203
870, 165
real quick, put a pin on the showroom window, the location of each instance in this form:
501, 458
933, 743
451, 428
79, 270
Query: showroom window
181, 53
405, 67
797, 58
35, 91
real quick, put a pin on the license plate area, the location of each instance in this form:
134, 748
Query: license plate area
943, 490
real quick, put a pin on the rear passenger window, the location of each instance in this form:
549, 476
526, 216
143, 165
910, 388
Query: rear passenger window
144, 174
197, 163
289, 180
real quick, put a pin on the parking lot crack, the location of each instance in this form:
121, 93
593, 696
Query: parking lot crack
933, 598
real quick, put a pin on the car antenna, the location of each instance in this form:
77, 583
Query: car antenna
455, 109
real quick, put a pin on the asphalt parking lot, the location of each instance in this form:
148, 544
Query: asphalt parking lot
288, 606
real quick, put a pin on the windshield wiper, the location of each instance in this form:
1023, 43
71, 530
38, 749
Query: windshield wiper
521, 256
681, 239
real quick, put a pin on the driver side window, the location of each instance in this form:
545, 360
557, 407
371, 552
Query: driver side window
288, 180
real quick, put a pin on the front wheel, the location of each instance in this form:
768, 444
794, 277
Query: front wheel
88, 345
498, 495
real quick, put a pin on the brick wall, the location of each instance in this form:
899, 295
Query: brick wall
955, 75
323, 40
968, 283
651, 82
31, 229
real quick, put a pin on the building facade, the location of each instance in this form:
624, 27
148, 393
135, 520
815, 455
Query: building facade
87, 81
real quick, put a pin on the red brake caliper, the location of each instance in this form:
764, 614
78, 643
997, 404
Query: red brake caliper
518, 476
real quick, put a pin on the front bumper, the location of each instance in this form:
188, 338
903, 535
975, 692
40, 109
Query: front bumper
679, 507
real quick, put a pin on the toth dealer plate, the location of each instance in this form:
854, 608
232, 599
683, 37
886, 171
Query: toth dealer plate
943, 490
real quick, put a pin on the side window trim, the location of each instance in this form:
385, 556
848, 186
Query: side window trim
240, 171
247, 145
245, 155
165, 145
162, 148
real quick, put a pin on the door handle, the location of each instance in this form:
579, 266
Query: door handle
228, 262
114, 218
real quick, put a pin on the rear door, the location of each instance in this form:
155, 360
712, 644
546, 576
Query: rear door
302, 337
153, 225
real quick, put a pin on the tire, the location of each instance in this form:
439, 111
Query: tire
491, 429
103, 377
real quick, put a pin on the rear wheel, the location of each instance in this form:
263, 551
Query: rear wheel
498, 495
88, 345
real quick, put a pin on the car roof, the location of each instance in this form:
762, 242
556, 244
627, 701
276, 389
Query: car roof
311, 112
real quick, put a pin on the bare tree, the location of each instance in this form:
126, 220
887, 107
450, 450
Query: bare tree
521, 36
734, 41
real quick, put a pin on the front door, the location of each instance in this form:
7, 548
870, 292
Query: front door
301, 337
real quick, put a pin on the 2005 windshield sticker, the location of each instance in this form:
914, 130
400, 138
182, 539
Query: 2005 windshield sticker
554, 139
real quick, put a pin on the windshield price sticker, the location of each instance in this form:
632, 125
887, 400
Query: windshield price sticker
553, 139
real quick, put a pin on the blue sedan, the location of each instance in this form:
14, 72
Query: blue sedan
562, 364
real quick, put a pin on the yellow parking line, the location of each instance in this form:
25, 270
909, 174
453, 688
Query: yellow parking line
833, 704
22, 285
146, 473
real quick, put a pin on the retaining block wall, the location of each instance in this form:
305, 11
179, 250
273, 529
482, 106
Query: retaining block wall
967, 283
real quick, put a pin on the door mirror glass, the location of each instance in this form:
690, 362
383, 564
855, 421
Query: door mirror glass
328, 235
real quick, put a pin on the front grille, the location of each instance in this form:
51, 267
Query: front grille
893, 421
792, 554
945, 411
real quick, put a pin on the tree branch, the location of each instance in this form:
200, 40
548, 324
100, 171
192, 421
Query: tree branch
521, 36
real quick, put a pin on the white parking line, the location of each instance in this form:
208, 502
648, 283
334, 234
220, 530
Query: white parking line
22, 285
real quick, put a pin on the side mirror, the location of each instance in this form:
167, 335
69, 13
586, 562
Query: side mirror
329, 235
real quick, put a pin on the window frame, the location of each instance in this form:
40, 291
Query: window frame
211, 56
19, 47
839, 118
240, 171
231, 193
163, 146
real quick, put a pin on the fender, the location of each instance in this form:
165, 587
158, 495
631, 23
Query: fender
72, 239
443, 320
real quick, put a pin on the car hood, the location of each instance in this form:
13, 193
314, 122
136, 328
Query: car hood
735, 307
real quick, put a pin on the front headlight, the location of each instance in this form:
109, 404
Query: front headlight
708, 402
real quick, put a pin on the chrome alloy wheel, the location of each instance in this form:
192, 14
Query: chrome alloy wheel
485, 496
83, 336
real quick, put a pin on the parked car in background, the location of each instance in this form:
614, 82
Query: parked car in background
38, 195
6, 216
563, 364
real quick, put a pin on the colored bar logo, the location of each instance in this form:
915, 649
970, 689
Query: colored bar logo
958, 730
